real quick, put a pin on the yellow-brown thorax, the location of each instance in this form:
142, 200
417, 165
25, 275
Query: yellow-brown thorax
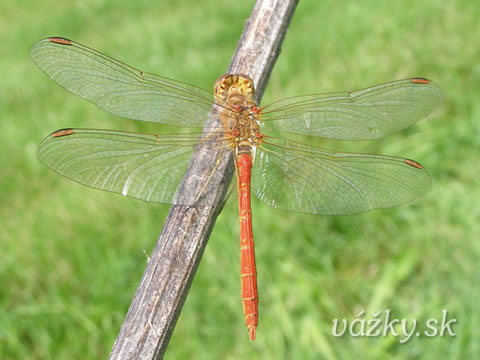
241, 116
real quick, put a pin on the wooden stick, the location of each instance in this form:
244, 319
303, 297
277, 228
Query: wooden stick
160, 296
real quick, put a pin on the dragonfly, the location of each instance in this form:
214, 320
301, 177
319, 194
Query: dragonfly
282, 173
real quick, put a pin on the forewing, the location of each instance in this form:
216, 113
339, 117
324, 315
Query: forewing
121, 89
366, 114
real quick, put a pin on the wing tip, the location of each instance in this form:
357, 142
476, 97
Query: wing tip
434, 88
62, 132
59, 40
413, 163
420, 80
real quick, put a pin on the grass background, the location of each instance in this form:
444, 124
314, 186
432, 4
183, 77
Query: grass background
71, 257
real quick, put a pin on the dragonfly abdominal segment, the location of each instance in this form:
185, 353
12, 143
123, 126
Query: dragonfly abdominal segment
248, 270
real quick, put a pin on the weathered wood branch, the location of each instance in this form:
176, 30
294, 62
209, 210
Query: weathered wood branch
160, 296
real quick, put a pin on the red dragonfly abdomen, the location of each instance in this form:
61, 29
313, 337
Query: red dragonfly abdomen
248, 270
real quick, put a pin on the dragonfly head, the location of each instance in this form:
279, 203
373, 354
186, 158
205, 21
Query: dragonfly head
235, 90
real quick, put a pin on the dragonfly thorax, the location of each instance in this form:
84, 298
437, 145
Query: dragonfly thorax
241, 123
241, 116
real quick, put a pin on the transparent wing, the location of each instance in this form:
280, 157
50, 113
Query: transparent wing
121, 89
146, 167
366, 114
291, 176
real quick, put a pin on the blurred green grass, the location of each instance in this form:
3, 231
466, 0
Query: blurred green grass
71, 257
